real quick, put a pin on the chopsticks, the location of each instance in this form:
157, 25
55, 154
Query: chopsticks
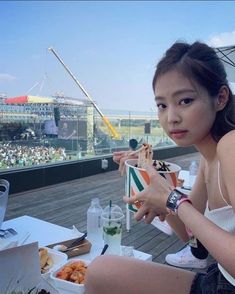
78, 240
73, 248
137, 151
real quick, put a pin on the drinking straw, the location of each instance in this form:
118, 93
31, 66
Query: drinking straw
104, 249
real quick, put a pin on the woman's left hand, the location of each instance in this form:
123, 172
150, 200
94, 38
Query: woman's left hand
153, 198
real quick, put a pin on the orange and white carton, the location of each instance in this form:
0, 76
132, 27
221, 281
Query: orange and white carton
137, 179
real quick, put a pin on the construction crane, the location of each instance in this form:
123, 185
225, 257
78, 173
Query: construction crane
112, 130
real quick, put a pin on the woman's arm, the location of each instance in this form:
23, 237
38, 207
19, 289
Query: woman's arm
178, 227
198, 196
218, 242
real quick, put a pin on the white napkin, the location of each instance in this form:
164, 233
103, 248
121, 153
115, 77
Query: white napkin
75, 232
13, 241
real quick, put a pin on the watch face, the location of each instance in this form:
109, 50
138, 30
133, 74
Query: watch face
171, 206
173, 198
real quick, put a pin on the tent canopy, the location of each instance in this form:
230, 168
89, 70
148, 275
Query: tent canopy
227, 55
29, 99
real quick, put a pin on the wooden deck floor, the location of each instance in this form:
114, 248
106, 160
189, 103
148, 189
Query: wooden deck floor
66, 204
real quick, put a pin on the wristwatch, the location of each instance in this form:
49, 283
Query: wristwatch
174, 200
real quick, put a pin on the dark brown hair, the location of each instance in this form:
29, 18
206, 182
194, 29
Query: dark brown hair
200, 63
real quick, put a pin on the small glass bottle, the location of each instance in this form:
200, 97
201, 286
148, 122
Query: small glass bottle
94, 222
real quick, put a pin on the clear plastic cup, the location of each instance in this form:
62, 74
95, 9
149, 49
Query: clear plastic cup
112, 218
4, 192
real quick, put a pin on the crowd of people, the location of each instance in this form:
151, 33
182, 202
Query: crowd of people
21, 156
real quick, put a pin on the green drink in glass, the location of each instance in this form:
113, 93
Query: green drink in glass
112, 217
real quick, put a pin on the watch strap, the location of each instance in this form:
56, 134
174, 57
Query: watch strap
174, 200
181, 201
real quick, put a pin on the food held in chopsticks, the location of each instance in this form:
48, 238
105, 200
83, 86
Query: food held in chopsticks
145, 156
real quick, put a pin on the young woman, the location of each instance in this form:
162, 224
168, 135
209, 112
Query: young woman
195, 107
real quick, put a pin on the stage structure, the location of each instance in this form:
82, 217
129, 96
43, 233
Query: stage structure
65, 118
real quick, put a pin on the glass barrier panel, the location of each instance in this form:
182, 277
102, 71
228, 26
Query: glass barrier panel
33, 134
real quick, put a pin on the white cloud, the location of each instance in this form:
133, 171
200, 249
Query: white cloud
6, 77
223, 39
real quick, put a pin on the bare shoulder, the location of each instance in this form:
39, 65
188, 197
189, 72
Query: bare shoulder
226, 144
226, 156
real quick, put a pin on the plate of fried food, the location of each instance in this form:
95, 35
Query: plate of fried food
50, 260
69, 278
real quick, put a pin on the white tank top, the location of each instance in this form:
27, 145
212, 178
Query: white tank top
224, 218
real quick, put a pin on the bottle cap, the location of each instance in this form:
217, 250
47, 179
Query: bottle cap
95, 201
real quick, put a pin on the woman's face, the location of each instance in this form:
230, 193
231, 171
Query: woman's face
186, 111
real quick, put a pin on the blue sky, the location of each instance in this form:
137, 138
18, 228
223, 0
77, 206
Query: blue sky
112, 47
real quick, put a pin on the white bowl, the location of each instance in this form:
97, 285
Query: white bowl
66, 286
58, 259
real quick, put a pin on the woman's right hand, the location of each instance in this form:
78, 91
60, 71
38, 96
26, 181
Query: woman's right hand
121, 156
153, 198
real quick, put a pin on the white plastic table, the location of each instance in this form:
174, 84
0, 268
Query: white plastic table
46, 233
